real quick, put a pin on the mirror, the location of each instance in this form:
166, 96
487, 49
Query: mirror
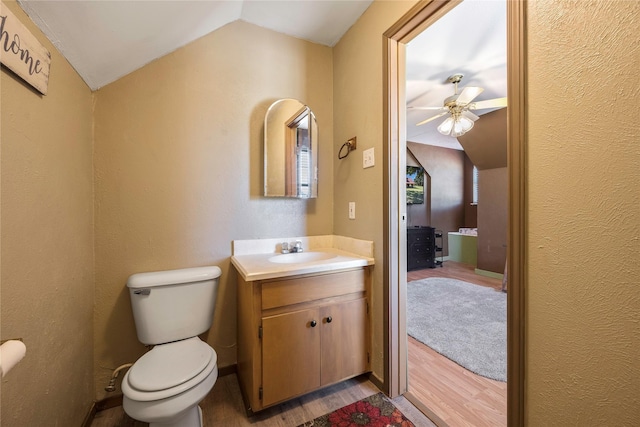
290, 150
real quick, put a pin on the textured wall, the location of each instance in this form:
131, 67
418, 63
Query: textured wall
178, 166
582, 179
583, 304
47, 244
583, 299
358, 111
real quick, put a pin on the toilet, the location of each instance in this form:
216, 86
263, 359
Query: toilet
170, 309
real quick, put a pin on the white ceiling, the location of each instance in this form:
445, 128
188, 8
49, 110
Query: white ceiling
471, 40
107, 39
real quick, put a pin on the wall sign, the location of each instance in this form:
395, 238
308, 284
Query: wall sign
22, 53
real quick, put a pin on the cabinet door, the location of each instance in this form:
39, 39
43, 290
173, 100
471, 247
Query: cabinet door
290, 355
344, 343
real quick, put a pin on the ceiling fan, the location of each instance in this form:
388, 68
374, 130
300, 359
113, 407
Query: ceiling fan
459, 107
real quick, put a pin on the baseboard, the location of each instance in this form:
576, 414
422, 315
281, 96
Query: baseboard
88, 419
378, 382
489, 274
425, 410
227, 370
109, 402
116, 399
106, 403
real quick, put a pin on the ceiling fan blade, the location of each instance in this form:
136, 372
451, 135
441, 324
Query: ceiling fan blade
470, 115
489, 103
468, 94
427, 108
432, 118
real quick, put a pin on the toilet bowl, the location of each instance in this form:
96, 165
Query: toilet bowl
171, 308
165, 385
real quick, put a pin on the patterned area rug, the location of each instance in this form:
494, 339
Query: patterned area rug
373, 411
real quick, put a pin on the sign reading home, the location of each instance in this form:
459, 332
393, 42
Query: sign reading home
22, 53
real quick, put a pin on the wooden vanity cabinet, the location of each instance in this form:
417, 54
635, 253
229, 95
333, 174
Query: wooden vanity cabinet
299, 334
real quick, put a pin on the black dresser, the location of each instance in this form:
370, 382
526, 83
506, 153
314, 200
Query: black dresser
421, 247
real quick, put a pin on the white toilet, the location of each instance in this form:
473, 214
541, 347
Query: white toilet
170, 309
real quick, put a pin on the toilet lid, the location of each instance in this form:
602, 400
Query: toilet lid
169, 365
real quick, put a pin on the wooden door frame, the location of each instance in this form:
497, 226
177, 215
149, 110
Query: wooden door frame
416, 20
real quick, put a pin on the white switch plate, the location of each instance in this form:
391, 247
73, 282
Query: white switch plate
352, 210
368, 158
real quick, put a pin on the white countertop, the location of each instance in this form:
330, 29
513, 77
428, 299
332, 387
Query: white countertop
256, 266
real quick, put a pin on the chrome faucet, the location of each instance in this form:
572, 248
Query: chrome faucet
291, 247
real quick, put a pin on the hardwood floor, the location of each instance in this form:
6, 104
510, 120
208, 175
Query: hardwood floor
456, 396
224, 407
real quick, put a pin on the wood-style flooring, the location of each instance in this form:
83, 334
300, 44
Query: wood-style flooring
437, 385
442, 387
224, 407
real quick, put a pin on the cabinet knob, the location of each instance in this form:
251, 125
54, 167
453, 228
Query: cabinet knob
313, 323
329, 319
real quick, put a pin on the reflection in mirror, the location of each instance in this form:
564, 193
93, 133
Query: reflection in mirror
290, 150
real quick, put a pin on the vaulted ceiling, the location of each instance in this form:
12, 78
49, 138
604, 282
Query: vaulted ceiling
105, 40
471, 40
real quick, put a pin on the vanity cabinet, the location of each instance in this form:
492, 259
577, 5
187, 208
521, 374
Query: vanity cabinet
301, 333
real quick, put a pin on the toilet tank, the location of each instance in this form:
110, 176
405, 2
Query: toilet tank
173, 305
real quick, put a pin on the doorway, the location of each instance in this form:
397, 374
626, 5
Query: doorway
415, 21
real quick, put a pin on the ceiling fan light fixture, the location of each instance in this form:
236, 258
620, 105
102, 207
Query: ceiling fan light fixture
461, 120
461, 126
446, 126
456, 126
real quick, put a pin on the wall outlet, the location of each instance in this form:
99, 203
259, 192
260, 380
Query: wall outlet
368, 158
352, 210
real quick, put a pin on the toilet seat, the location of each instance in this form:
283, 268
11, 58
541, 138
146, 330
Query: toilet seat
169, 369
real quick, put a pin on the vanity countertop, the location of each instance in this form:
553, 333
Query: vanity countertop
265, 265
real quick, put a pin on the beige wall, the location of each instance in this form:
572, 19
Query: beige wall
167, 195
582, 190
178, 165
47, 244
358, 104
583, 302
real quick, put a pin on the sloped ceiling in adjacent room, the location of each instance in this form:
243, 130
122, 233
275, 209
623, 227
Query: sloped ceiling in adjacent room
471, 39
486, 143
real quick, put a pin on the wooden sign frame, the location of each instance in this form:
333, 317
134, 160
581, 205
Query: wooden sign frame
22, 53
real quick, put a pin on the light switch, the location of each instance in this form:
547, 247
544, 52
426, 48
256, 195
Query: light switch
352, 210
368, 158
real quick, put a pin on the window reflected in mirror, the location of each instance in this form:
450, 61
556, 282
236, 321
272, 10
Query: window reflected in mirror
290, 148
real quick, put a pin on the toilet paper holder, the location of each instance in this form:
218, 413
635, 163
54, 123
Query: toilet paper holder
11, 339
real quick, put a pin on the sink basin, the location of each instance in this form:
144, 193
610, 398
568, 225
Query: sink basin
301, 257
